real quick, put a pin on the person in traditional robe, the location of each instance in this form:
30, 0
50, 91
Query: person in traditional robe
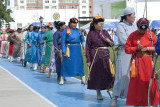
34, 48
72, 64
141, 46
48, 38
28, 41
41, 46
11, 45
97, 54
17, 40
23, 46
8, 33
52, 66
57, 43
124, 29
4, 44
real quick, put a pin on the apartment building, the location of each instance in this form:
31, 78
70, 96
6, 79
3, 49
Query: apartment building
29, 11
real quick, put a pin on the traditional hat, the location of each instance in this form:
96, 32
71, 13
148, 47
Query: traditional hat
49, 24
61, 23
96, 20
128, 10
19, 28
142, 23
43, 26
37, 26
73, 20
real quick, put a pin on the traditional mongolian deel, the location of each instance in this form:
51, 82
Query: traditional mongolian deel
4, 43
28, 40
49, 41
124, 29
11, 44
100, 75
33, 58
17, 38
57, 43
73, 67
41, 48
23, 46
139, 83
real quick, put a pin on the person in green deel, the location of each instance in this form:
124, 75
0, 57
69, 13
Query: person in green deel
48, 38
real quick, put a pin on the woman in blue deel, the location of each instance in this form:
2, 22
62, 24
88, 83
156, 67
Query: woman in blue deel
72, 38
158, 45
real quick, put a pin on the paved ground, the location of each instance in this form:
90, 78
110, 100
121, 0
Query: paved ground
14, 94
22, 87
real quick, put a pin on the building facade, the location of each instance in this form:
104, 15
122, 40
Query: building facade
29, 11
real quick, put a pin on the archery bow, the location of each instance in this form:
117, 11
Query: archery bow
43, 53
153, 72
59, 50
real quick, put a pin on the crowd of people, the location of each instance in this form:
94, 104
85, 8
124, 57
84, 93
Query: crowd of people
59, 47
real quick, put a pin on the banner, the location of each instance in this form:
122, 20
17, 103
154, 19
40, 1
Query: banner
117, 9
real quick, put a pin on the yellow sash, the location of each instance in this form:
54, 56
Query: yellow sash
7, 46
111, 68
67, 52
133, 69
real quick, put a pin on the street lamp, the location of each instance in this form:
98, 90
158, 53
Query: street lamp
41, 20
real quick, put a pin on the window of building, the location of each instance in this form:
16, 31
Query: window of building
21, 1
40, 1
8, 3
53, 1
62, 7
19, 25
46, 1
83, 12
31, 7
7, 25
90, 7
90, 12
68, 1
31, 1
83, 7
46, 7
76, 1
54, 7
39, 7
21, 7
83, 1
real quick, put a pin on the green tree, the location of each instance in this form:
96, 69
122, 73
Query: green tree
5, 14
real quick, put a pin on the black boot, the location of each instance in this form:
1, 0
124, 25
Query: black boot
25, 63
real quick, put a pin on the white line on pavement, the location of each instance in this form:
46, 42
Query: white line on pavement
30, 88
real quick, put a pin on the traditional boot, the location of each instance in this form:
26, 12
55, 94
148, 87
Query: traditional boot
61, 81
58, 77
22, 62
25, 63
35, 67
44, 69
11, 59
82, 79
114, 101
49, 73
99, 95
31, 66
